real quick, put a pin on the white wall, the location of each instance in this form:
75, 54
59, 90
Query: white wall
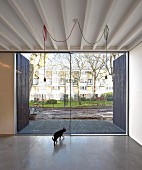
135, 95
6, 93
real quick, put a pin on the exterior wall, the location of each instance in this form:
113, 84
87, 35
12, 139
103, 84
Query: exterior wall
6, 93
120, 89
135, 94
22, 91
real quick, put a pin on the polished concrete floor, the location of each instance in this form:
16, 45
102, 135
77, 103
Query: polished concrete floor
71, 153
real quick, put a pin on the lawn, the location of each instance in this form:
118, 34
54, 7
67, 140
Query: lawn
75, 104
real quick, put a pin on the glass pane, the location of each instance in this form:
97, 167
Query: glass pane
72, 91
92, 94
49, 93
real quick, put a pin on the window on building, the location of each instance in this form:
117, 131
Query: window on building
49, 81
83, 87
56, 87
110, 88
83, 81
75, 96
75, 81
35, 81
48, 73
83, 73
62, 81
90, 82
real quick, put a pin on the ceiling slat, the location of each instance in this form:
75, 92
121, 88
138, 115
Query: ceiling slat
64, 12
4, 46
135, 43
87, 15
123, 22
24, 18
45, 20
108, 15
11, 41
16, 32
131, 35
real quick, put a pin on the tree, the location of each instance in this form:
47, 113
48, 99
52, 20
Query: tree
36, 62
96, 64
78, 67
31, 71
63, 66
109, 62
78, 64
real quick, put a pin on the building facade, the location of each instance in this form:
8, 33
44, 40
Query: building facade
58, 84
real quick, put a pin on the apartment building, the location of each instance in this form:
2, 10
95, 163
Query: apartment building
58, 83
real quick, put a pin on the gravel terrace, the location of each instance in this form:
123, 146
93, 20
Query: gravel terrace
55, 113
83, 121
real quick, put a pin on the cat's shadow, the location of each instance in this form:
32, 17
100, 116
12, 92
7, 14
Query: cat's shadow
59, 146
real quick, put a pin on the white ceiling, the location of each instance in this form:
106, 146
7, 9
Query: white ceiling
21, 24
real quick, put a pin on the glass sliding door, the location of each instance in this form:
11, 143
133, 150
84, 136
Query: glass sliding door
92, 94
74, 91
49, 93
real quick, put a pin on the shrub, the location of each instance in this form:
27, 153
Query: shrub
36, 99
83, 99
108, 96
51, 101
100, 98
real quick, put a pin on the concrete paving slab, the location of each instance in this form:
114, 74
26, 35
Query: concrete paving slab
88, 126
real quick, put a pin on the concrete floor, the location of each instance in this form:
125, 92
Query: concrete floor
71, 153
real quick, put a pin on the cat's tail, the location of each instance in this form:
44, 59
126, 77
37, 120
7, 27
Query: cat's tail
52, 138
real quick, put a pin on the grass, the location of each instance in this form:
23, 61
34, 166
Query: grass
75, 104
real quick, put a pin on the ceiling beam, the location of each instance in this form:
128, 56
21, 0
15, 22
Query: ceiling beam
137, 41
131, 35
64, 13
41, 11
6, 21
106, 19
24, 18
4, 46
87, 15
7, 38
123, 23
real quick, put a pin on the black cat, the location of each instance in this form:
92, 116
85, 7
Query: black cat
58, 134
